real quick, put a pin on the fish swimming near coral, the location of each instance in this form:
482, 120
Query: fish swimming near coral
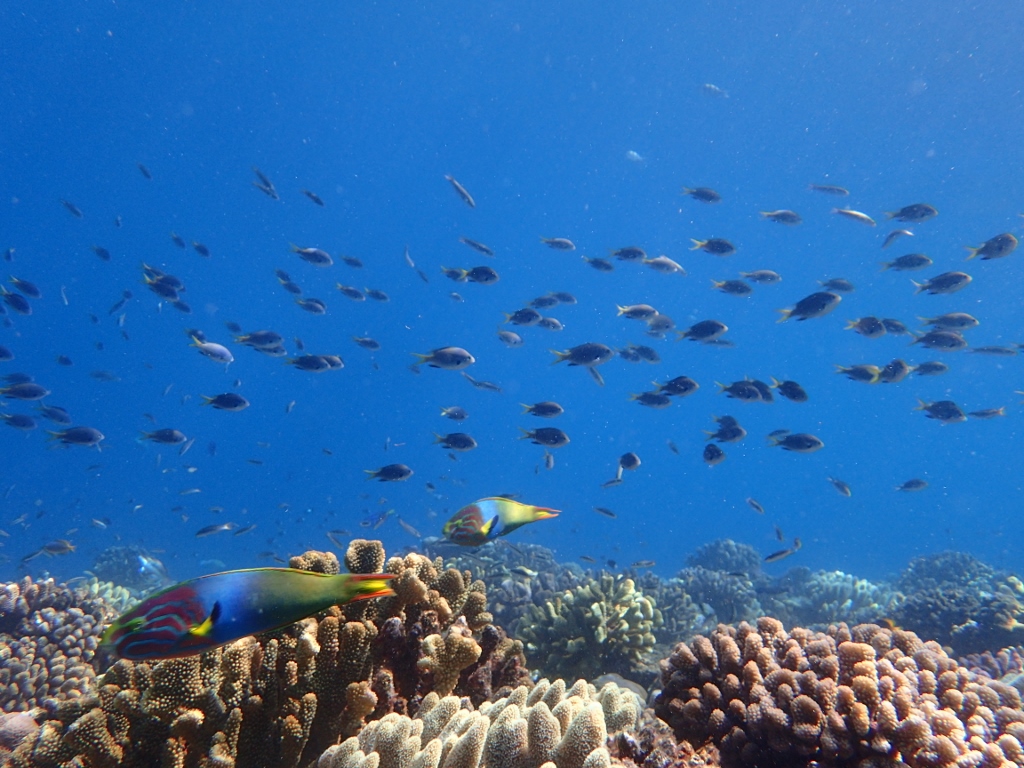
210, 611
487, 519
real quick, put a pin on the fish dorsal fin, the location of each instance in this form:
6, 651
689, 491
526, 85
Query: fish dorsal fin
204, 629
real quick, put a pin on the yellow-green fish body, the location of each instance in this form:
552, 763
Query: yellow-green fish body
487, 519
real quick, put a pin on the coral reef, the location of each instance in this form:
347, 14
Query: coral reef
728, 556
280, 700
731, 596
605, 625
527, 729
49, 635
131, 567
682, 618
961, 602
820, 598
865, 696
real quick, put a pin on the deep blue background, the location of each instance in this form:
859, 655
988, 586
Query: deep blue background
533, 106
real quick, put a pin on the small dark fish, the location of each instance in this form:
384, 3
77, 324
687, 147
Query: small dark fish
544, 302
312, 363
17, 302
482, 275
790, 390
477, 246
229, 401
744, 390
895, 327
550, 324
390, 473
367, 343
487, 386
837, 285
165, 436
995, 247
705, 331
559, 243
914, 484
655, 400
733, 287
201, 249
988, 413
73, 209
713, 454
103, 253
546, 409
209, 530
672, 447
754, 505
353, 262
587, 559
264, 184
931, 368
24, 390
350, 292
588, 355
182, 307
550, 437
680, 386
629, 461
789, 218
178, 240
31, 290
848, 213
714, 245
894, 372
762, 276
952, 321
314, 197
946, 341
893, 236
645, 353
564, 297
816, 305
629, 253
829, 189
455, 413
245, 529
9, 254
703, 194
606, 512
800, 442
869, 374
59, 547
55, 413
19, 421
104, 376
376, 295
782, 554
64, 360
947, 282
315, 256
5, 355
944, 411
461, 192
144, 171
996, 351
913, 214
85, 436
409, 529
601, 265
455, 441
313, 306
842, 487
643, 564
907, 263
446, 358
869, 326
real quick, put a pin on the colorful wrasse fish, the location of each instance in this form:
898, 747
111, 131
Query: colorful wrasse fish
210, 611
487, 519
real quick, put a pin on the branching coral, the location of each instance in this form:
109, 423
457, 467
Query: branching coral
866, 696
605, 625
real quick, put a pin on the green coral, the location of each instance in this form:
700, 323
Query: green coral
604, 625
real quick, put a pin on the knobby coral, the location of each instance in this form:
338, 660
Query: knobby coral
281, 699
866, 696
527, 729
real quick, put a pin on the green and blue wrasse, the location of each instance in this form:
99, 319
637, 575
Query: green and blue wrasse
210, 611
487, 519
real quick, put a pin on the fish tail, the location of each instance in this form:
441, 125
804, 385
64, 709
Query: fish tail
697, 244
775, 383
850, 324
885, 265
526, 408
559, 356
785, 315
366, 586
920, 286
974, 252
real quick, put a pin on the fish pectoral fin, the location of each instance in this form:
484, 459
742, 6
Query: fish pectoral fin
204, 629
491, 527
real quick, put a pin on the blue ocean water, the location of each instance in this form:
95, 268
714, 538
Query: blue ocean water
564, 120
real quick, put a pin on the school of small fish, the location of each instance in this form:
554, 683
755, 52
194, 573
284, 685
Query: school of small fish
24, 401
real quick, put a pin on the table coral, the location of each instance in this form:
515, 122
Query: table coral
549, 725
866, 696
605, 625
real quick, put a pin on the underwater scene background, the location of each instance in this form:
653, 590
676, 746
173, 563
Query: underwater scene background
166, 172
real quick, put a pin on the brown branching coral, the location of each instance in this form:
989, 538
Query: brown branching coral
866, 696
49, 635
280, 700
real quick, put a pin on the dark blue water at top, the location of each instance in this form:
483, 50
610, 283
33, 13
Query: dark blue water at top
563, 120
